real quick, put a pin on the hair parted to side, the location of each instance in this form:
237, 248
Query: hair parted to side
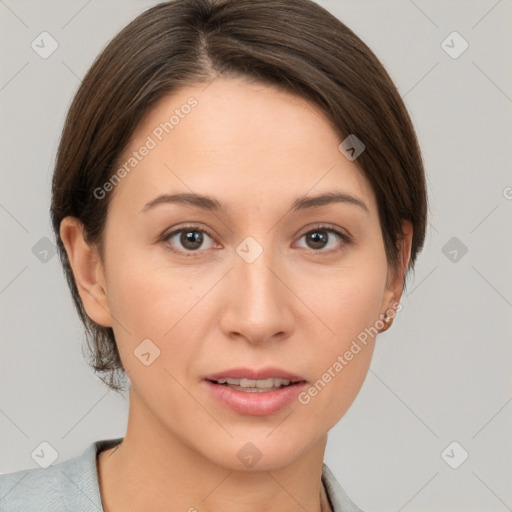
295, 45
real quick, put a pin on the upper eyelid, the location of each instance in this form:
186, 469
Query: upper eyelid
326, 227
184, 228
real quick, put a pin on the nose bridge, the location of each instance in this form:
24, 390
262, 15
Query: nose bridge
258, 305
252, 269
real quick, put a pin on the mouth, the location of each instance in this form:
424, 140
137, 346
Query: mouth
255, 392
256, 385
252, 380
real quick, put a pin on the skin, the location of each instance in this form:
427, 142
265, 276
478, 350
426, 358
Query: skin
256, 149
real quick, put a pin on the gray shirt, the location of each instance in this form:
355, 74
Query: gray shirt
72, 486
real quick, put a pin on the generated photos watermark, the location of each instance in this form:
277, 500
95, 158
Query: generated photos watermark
152, 140
343, 360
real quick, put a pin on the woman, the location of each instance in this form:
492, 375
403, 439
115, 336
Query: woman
237, 200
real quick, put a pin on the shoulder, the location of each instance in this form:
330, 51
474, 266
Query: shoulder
68, 485
339, 499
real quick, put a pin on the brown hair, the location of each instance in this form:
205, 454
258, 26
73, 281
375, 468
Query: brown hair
292, 44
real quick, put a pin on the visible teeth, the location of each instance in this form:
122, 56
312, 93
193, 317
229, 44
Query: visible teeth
251, 383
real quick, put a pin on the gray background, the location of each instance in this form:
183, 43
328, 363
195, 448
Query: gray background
441, 374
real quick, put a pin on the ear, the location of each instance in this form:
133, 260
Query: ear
87, 270
395, 280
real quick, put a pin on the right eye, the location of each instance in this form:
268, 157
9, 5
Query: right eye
191, 238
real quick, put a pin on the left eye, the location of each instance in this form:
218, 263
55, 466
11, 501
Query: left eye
319, 238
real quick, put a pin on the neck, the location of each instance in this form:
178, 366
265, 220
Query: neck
159, 469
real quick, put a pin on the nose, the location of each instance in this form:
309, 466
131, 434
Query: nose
257, 304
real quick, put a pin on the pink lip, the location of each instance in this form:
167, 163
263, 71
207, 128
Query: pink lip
251, 373
255, 404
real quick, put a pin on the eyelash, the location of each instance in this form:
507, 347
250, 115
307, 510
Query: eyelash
191, 254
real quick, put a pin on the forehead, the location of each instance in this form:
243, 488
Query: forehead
247, 143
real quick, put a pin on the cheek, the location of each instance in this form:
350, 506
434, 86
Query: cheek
348, 300
349, 307
148, 300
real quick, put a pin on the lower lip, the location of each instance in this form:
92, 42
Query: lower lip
256, 404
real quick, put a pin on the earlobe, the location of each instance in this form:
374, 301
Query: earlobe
87, 270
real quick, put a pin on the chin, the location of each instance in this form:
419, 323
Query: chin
261, 452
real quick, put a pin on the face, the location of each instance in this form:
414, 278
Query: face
193, 290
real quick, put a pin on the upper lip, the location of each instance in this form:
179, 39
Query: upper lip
255, 374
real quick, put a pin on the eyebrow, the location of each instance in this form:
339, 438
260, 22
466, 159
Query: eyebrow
211, 204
